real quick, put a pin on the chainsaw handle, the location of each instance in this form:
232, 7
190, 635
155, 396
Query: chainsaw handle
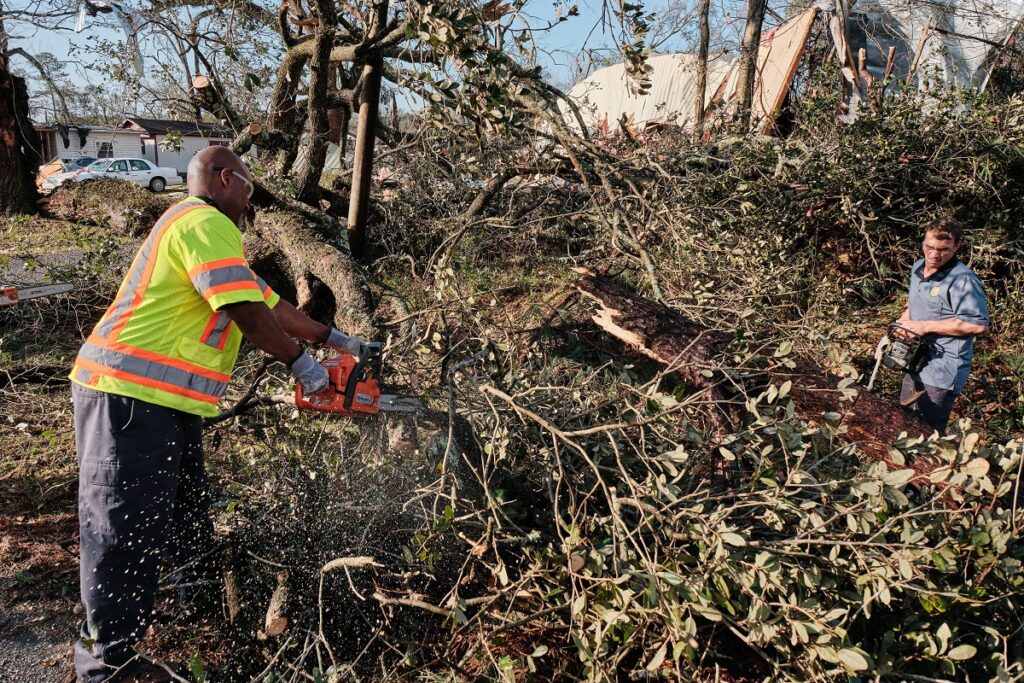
900, 331
368, 365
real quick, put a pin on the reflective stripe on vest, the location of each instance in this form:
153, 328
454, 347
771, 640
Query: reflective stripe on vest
134, 287
264, 287
211, 278
84, 376
216, 332
151, 370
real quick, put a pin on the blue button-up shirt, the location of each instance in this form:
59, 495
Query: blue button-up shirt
954, 291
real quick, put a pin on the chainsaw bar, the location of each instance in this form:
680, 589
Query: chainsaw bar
399, 404
10, 296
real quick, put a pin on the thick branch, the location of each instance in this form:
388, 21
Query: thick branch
44, 74
690, 349
207, 94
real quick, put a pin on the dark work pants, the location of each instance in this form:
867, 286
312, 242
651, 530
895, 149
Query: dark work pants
143, 501
934, 407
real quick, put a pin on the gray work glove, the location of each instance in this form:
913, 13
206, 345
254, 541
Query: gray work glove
342, 342
310, 374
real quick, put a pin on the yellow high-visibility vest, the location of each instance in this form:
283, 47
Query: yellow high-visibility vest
164, 338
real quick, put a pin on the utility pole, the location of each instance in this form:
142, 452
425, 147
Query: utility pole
362, 171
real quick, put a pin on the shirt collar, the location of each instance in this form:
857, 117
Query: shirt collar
940, 274
207, 200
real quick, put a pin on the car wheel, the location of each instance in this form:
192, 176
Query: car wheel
157, 184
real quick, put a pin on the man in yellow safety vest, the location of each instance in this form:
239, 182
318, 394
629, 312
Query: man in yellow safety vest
157, 363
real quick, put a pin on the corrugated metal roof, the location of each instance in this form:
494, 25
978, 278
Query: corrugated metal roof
604, 95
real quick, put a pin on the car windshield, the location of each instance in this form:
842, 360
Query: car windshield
98, 166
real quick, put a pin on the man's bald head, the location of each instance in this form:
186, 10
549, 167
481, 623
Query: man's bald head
218, 174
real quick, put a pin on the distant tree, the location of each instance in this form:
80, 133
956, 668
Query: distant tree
19, 156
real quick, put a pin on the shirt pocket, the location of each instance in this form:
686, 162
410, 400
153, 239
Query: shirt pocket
935, 302
198, 352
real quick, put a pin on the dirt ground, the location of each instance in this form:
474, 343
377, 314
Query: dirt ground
39, 582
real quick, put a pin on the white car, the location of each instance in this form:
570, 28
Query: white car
138, 171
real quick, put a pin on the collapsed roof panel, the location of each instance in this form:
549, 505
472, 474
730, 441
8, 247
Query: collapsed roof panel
604, 98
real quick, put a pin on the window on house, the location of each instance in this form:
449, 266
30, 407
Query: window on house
143, 143
104, 150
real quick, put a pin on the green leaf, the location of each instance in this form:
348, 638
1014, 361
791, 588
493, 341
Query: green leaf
733, 539
853, 660
898, 478
198, 672
962, 652
784, 389
978, 467
658, 658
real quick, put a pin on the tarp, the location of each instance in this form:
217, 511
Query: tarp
937, 44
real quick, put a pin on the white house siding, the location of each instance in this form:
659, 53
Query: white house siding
123, 143
190, 146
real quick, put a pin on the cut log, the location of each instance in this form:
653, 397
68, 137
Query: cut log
689, 349
207, 94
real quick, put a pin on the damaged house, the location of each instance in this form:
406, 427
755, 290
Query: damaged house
903, 43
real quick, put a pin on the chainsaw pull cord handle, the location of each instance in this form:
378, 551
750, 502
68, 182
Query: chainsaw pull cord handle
883, 346
369, 365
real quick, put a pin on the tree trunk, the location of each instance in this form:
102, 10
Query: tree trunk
702, 69
19, 145
748, 61
690, 349
362, 173
321, 76
307, 251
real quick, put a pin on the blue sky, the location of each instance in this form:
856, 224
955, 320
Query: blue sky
557, 48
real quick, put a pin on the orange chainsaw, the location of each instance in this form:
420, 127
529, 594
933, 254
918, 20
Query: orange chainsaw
353, 387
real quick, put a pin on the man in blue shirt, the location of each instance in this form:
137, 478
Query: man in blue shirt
947, 307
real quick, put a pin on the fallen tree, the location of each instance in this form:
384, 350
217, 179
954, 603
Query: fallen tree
117, 204
690, 349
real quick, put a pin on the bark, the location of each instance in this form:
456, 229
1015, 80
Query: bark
702, 69
362, 172
297, 238
284, 115
19, 145
689, 349
747, 70
319, 82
